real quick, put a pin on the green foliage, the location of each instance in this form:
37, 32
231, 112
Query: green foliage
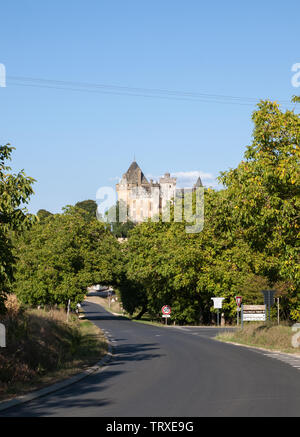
15, 190
43, 214
119, 227
61, 257
121, 230
263, 192
90, 206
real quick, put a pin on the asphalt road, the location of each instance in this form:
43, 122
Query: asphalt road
173, 372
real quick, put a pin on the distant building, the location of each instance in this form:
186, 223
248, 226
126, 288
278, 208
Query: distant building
146, 199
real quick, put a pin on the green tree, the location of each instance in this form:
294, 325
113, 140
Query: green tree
118, 228
43, 214
90, 206
60, 258
263, 196
15, 190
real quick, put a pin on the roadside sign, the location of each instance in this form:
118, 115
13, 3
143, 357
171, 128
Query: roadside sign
218, 305
268, 297
254, 313
218, 302
166, 310
238, 300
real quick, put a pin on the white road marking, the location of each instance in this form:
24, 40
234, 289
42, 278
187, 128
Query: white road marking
292, 361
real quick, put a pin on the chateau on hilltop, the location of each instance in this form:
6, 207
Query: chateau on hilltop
146, 199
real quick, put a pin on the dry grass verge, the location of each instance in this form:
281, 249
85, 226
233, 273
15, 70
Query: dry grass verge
263, 335
42, 348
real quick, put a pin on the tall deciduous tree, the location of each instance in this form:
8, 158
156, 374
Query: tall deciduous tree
90, 206
15, 191
61, 257
264, 195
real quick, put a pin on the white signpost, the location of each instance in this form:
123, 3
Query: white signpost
218, 305
2, 335
238, 300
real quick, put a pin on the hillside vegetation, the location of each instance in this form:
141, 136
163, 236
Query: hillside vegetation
43, 348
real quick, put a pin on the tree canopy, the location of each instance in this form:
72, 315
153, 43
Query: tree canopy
15, 191
90, 206
63, 255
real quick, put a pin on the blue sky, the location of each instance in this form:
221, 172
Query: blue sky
75, 141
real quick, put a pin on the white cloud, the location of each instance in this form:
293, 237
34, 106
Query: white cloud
192, 175
189, 178
185, 178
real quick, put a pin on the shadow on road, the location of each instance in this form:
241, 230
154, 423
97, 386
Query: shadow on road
86, 394
97, 390
104, 316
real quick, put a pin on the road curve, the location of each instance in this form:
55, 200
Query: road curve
169, 372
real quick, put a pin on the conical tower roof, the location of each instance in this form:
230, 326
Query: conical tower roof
198, 183
134, 174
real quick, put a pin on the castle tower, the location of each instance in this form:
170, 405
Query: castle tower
135, 191
167, 189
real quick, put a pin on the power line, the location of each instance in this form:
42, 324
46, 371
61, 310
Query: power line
134, 91
133, 94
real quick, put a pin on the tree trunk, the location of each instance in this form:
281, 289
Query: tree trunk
141, 313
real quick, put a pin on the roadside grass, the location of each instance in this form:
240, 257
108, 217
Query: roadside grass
147, 321
42, 348
265, 335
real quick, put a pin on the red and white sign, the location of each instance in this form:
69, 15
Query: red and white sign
238, 300
166, 310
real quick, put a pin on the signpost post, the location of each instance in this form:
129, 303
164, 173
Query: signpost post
238, 300
218, 305
68, 309
166, 312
